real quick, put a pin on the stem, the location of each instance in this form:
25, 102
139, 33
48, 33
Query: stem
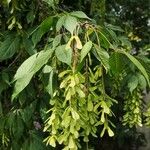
86, 78
87, 146
86, 71
13, 62
91, 8
103, 84
75, 58
97, 38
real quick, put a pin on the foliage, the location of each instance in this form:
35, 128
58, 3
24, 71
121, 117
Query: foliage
63, 75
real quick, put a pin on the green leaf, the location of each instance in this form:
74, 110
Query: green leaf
26, 71
5, 77
1, 109
32, 64
145, 61
125, 41
57, 40
138, 65
133, 83
116, 63
21, 84
70, 23
41, 59
25, 67
52, 3
79, 14
29, 46
104, 40
103, 56
115, 28
17, 126
60, 23
111, 99
3, 86
9, 47
113, 36
85, 50
30, 16
64, 55
49, 87
47, 69
142, 81
27, 112
41, 30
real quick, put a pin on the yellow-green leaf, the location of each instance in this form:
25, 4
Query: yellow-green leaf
71, 144
110, 132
